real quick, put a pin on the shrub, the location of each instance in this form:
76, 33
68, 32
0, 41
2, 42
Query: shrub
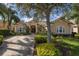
26, 33
7, 32
23, 33
1, 39
77, 36
4, 32
47, 50
58, 38
12, 33
40, 39
42, 33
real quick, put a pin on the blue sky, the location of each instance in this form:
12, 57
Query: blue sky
53, 15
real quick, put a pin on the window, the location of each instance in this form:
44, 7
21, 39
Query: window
60, 29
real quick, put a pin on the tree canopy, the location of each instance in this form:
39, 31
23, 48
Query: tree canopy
43, 10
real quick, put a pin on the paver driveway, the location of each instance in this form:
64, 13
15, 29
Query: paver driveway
18, 46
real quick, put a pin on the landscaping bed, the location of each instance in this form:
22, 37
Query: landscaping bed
42, 48
66, 46
46, 49
1, 40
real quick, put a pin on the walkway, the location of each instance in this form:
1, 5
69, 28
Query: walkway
18, 46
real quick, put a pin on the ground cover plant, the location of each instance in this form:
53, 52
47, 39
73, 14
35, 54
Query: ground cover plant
68, 46
46, 49
1, 39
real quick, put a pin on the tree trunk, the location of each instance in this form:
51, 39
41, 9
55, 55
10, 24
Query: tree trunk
8, 26
48, 28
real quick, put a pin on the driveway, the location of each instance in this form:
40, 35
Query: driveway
18, 46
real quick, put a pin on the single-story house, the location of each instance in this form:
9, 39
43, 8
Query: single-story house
2, 25
36, 26
62, 26
20, 27
59, 26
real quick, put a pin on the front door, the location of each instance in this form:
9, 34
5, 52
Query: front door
33, 29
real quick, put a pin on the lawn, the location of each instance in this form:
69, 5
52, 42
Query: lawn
74, 45
67, 46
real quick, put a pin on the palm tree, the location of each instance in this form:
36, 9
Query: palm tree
2, 15
12, 17
42, 10
5, 11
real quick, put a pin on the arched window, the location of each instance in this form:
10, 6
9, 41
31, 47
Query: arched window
60, 29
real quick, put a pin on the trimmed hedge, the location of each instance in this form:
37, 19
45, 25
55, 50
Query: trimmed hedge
12, 33
7, 33
77, 36
24, 33
40, 39
43, 33
1, 39
4, 32
47, 50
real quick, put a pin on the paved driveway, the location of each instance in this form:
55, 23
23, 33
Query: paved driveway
18, 46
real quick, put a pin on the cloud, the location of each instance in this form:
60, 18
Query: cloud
27, 19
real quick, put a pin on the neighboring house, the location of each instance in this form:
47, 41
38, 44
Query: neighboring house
62, 26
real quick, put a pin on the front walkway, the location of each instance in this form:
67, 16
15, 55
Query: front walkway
18, 46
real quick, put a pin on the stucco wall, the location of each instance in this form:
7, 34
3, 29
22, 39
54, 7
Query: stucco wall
18, 26
3, 26
67, 27
75, 28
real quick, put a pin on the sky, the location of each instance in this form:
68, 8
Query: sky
53, 15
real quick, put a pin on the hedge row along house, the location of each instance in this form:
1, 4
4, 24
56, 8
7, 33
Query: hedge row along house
59, 26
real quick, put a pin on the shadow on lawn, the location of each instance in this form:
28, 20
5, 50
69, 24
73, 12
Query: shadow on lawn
75, 51
24, 51
67, 49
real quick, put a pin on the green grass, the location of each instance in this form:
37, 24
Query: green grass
73, 44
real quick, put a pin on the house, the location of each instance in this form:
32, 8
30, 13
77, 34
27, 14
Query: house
2, 25
58, 27
63, 27
20, 27
36, 26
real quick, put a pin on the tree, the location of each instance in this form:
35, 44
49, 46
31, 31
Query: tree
9, 14
74, 14
12, 17
43, 10
3, 12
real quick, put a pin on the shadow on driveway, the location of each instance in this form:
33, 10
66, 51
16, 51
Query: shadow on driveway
26, 44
